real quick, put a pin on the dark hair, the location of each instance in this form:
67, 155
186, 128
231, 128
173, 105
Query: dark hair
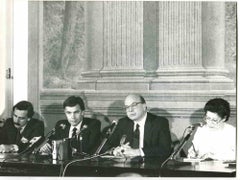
219, 106
25, 106
73, 101
142, 99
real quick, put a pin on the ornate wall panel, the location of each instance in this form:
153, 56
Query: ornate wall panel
111, 56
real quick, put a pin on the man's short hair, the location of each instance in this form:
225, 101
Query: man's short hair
73, 101
219, 106
142, 99
24, 106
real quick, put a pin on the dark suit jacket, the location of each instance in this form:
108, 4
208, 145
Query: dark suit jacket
157, 139
34, 128
90, 136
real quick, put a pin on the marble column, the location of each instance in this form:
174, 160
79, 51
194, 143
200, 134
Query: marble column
94, 33
94, 46
213, 48
213, 36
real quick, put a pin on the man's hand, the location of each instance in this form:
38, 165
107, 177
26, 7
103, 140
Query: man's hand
130, 152
12, 148
126, 151
118, 152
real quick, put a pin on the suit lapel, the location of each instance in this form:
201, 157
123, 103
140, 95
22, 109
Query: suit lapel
65, 132
27, 129
12, 133
83, 123
147, 129
128, 131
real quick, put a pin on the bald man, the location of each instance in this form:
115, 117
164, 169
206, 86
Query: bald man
145, 134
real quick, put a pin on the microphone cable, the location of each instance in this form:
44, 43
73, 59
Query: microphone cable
63, 172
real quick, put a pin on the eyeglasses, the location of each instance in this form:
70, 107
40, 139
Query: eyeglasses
133, 105
20, 118
215, 121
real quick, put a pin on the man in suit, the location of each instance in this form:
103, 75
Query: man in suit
21, 131
84, 132
140, 133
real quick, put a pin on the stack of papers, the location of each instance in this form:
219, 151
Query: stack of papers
192, 160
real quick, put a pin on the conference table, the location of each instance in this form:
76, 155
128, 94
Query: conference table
108, 166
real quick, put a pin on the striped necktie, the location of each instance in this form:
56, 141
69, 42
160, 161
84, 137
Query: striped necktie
136, 134
74, 133
18, 136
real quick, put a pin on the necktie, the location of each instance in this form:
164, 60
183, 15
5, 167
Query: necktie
136, 133
74, 138
18, 136
74, 133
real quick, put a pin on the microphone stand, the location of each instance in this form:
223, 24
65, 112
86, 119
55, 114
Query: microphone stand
179, 148
101, 146
108, 134
36, 150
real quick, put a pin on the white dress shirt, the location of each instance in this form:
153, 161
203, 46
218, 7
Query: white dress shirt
72, 127
221, 143
141, 123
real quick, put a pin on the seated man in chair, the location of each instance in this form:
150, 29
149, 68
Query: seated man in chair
22, 130
140, 133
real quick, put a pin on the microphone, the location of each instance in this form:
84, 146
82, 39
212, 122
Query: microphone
112, 127
62, 126
186, 138
123, 139
114, 123
37, 142
199, 124
47, 137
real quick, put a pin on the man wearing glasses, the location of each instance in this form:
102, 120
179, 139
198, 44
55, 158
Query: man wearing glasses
21, 131
140, 133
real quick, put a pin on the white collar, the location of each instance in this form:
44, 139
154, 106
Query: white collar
22, 128
141, 121
77, 126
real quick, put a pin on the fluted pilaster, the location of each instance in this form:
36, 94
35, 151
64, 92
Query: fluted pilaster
191, 47
123, 38
180, 32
